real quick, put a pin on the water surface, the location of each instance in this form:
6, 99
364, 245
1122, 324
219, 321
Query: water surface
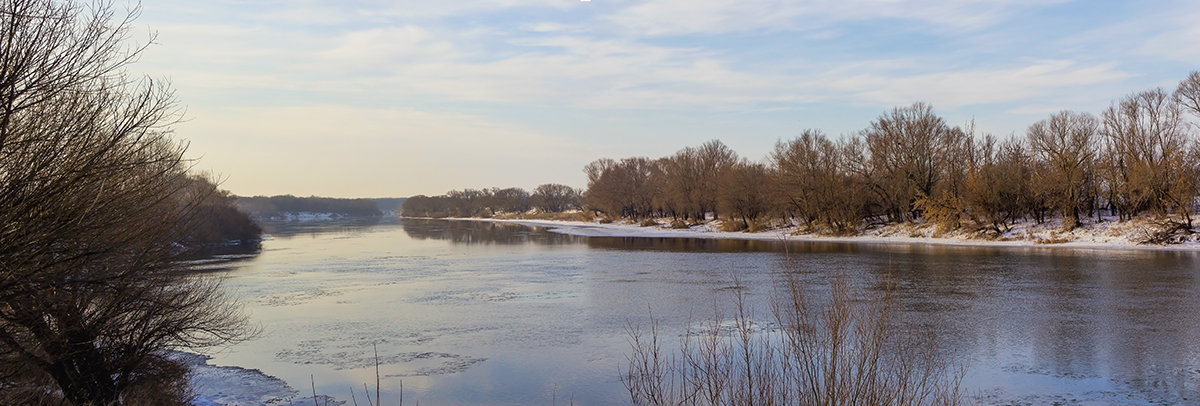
483, 313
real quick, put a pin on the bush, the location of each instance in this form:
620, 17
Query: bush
846, 352
731, 226
96, 206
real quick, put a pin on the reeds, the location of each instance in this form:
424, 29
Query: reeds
841, 352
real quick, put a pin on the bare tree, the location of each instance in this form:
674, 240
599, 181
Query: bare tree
1187, 95
510, 200
743, 194
553, 197
1146, 148
624, 188
802, 168
682, 187
813, 182
714, 160
906, 157
1066, 142
997, 191
94, 198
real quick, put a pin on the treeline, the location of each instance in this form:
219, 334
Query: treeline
1141, 155
217, 219
547, 198
274, 206
389, 204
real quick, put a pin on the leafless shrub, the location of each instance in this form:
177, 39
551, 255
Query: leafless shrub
843, 352
732, 225
95, 201
1165, 230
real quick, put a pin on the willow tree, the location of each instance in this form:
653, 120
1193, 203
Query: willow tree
907, 152
1146, 153
1067, 143
94, 200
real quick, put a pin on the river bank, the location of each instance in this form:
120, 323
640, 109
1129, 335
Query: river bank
1106, 234
214, 385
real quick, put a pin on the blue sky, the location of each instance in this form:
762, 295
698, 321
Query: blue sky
396, 98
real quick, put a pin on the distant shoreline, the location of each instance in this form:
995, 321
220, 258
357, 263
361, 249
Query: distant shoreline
1108, 235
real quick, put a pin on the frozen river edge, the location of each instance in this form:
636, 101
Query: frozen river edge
1105, 235
232, 385
214, 385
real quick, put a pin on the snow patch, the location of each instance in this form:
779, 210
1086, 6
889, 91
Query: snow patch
1105, 234
213, 385
304, 216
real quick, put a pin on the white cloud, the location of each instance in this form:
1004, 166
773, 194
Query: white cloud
281, 87
681, 17
1037, 110
380, 48
1180, 42
955, 88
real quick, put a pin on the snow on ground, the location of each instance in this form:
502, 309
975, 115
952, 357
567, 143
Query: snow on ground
235, 386
1108, 233
303, 216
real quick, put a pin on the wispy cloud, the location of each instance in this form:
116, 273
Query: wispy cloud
459, 75
979, 86
709, 17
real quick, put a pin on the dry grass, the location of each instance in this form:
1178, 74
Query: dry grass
845, 352
732, 226
558, 216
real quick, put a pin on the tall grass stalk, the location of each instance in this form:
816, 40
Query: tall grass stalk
840, 352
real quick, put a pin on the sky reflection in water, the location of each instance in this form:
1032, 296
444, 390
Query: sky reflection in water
487, 313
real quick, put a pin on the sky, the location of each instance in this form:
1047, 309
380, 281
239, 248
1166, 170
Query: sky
386, 98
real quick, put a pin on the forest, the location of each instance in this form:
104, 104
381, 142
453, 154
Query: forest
547, 198
1140, 156
264, 207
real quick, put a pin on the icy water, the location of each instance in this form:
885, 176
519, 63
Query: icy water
470, 313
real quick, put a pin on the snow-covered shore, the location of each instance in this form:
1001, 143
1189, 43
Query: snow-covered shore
1108, 234
214, 385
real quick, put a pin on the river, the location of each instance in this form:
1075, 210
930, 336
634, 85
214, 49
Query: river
474, 313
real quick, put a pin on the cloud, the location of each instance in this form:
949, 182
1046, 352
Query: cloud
380, 48
684, 17
1180, 42
955, 88
1036, 110
563, 64
367, 83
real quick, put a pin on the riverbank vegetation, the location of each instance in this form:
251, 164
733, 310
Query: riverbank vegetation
1139, 158
840, 350
265, 207
97, 207
547, 198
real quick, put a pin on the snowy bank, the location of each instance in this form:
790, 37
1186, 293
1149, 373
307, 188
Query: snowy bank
1108, 234
235, 386
303, 216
